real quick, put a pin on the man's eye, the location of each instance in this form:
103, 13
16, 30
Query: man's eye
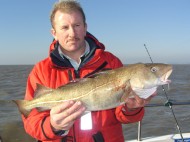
64, 27
77, 25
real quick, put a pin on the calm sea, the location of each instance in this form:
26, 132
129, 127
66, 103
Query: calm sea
157, 120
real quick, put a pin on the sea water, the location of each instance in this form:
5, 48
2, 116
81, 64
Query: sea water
157, 120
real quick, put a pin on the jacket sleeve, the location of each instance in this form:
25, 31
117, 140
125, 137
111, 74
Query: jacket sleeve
125, 116
122, 113
113, 61
37, 124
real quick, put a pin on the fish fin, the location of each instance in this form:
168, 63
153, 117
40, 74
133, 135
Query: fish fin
41, 90
127, 91
40, 109
93, 75
20, 105
73, 82
97, 74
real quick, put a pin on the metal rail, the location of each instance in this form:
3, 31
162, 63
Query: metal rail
167, 104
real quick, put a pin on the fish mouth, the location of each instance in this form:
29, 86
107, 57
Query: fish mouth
164, 79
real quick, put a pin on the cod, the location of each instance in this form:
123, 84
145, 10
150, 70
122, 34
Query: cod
104, 90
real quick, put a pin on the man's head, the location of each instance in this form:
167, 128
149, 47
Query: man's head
66, 6
69, 27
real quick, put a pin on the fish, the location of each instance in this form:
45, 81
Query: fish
103, 90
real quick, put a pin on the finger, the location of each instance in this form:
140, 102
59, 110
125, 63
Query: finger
65, 119
139, 100
136, 102
75, 115
61, 107
69, 117
131, 103
71, 113
75, 110
56, 112
76, 106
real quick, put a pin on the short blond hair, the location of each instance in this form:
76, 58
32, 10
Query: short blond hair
66, 6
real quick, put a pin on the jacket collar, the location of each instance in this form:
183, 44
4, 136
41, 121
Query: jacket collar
64, 62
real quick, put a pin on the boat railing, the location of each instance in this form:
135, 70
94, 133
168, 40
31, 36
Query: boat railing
167, 104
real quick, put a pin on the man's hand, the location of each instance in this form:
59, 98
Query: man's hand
137, 102
63, 116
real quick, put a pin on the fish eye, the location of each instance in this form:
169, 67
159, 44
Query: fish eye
153, 69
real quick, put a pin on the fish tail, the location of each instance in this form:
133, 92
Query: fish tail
21, 108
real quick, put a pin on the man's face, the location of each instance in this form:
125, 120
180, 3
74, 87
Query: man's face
69, 30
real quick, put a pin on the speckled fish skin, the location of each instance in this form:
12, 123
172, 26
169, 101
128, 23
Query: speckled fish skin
104, 90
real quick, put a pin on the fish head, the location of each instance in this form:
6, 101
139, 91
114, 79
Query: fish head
146, 76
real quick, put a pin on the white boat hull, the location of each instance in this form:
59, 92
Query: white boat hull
165, 138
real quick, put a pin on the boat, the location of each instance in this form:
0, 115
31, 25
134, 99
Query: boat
165, 138
180, 137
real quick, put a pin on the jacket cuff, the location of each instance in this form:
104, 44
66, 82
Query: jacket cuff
128, 112
47, 130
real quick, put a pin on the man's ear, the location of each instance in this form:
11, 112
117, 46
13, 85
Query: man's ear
53, 32
85, 27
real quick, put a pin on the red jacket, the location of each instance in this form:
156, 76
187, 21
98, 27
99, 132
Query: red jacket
55, 71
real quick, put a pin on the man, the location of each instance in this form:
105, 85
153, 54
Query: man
75, 53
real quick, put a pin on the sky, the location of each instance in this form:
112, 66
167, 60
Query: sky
123, 26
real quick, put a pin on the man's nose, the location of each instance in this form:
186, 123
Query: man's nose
72, 31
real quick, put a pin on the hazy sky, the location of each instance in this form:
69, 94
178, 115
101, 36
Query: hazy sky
124, 26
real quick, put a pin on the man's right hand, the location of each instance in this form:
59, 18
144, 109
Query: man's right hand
63, 116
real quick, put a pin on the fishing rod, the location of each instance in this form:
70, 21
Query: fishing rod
167, 98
